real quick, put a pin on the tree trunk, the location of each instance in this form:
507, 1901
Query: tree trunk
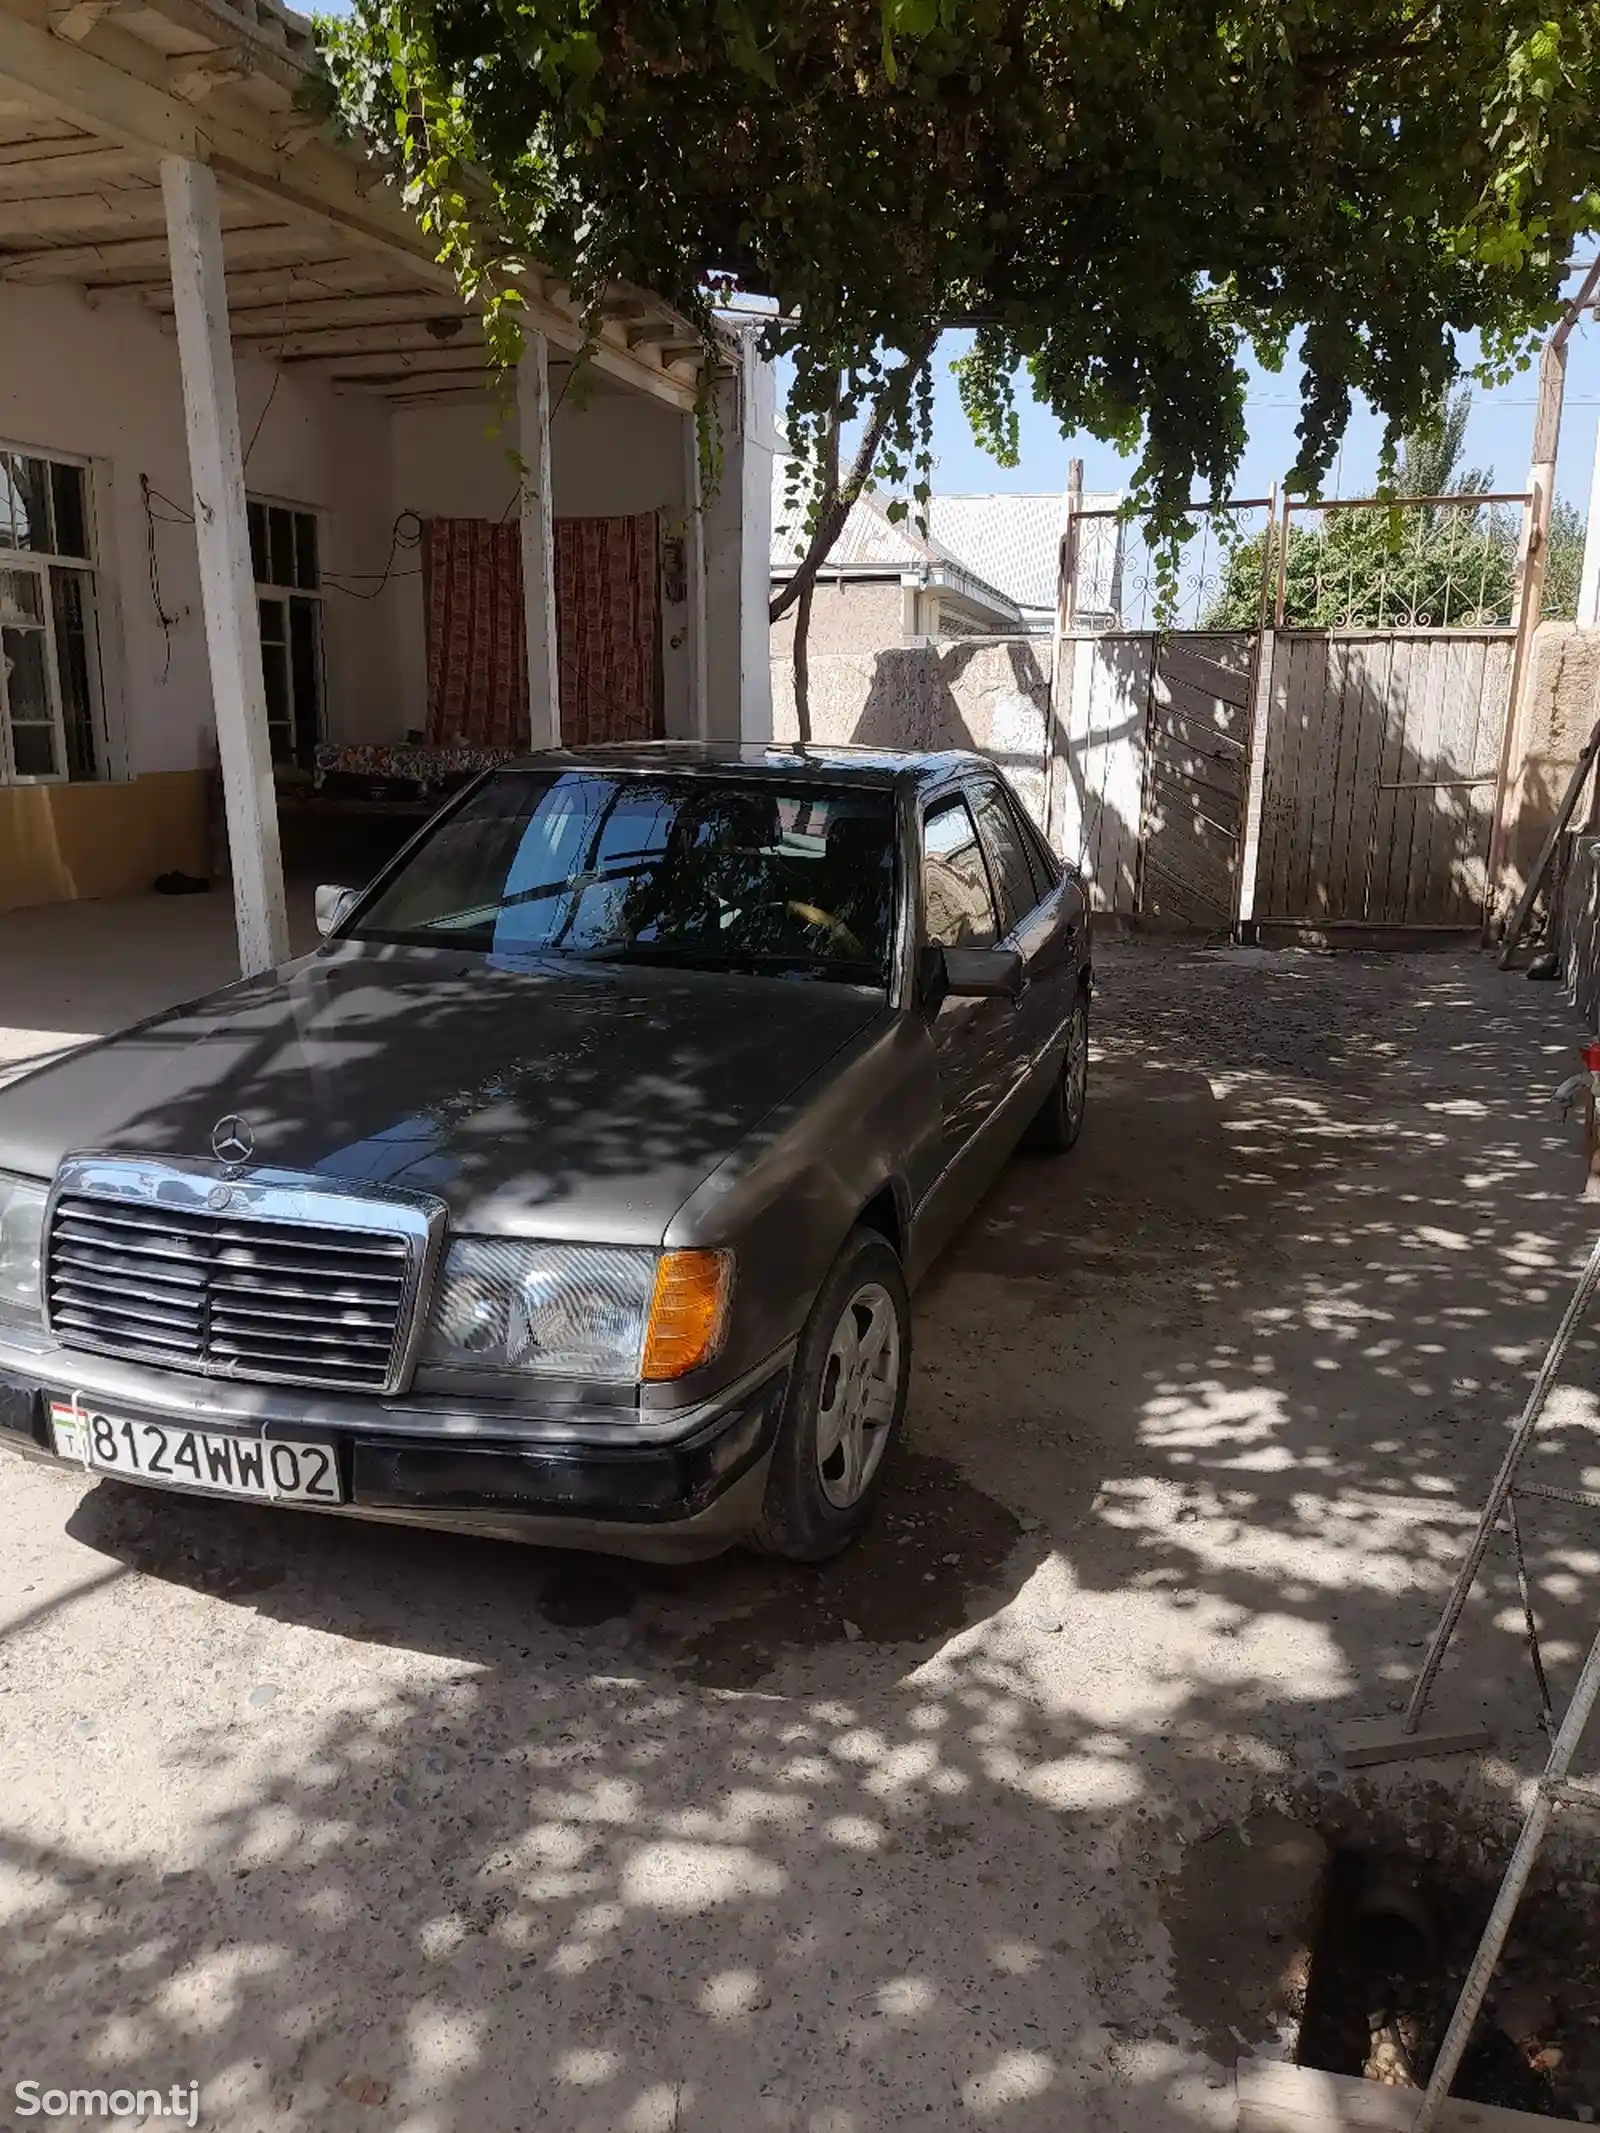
802, 612
802, 663
838, 498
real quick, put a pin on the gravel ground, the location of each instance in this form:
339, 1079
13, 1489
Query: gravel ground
361, 1828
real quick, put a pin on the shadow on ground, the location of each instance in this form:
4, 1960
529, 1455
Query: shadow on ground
368, 1827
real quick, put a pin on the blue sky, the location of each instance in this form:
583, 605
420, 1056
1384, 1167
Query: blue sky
1499, 435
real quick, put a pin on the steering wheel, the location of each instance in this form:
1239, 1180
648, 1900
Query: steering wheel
825, 922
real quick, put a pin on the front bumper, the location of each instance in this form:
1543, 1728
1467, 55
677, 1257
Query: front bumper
666, 1490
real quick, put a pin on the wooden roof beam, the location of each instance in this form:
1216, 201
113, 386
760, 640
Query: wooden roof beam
419, 399
408, 381
117, 85
194, 78
127, 261
303, 281
324, 350
63, 167
79, 17
377, 307
70, 215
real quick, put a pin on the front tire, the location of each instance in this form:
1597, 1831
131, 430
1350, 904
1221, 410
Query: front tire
845, 1407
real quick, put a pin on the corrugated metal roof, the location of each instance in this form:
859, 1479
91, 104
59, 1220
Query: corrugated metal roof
1010, 544
1014, 542
873, 542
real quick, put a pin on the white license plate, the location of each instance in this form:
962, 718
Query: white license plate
177, 1458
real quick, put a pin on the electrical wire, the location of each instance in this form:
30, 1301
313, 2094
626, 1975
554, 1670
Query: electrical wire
405, 536
277, 375
168, 622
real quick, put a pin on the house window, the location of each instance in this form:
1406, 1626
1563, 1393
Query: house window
49, 651
285, 558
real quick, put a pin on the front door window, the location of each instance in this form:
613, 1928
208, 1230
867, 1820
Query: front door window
49, 659
284, 554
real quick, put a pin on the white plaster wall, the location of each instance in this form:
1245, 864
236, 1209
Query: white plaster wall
615, 454
98, 378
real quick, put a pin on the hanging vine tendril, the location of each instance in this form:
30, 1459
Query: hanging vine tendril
1117, 201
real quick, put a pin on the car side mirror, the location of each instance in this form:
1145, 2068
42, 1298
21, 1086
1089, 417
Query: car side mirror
333, 908
973, 974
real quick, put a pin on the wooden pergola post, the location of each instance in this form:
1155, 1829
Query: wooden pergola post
694, 559
538, 540
1533, 557
227, 579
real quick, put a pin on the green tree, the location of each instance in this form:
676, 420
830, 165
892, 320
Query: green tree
1119, 198
1422, 565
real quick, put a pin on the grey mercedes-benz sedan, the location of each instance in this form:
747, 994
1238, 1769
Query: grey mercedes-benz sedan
572, 1189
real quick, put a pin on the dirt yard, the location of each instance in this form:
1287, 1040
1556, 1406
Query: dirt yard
1001, 1822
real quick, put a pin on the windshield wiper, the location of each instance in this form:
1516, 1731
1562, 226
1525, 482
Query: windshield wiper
541, 892
762, 962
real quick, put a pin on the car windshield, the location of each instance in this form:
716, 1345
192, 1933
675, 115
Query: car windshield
701, 873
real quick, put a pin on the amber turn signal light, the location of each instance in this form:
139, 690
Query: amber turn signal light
688, 1312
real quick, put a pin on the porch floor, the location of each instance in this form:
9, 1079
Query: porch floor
73, 971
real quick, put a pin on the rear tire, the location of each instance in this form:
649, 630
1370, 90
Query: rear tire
1059, 1119
845, 1407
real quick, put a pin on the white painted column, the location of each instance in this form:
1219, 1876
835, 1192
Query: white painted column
694, 571
758, 412
1589, 583
738, 555
227, 580
538, 540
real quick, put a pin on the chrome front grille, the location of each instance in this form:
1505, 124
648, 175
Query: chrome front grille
270, 1276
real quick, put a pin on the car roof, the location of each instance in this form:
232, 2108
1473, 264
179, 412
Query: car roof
834, 762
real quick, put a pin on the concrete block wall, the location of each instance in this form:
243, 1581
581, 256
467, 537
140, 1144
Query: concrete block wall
1563, 704
991, 694
847, 615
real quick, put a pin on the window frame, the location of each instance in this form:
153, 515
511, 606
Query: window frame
1037, 842
282, 595
45, 565
936, 803
1013, 814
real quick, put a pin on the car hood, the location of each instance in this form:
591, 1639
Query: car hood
583, 1101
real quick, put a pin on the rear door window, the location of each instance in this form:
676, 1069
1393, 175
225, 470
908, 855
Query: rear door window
955, 880
1019, 893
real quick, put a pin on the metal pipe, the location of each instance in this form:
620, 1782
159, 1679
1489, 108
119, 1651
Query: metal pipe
1546, 1799
1515, 1452
1464, 499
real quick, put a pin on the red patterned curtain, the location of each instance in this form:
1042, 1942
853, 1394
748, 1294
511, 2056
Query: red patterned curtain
605, 571
606, 628
477, 672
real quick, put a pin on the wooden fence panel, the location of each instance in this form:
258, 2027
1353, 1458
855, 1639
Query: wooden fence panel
1102, 704
1194, 786
1381, 751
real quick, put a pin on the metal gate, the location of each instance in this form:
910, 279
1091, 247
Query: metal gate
1382, 750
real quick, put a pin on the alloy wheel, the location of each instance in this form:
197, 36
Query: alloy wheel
860, 1387
1075, 1070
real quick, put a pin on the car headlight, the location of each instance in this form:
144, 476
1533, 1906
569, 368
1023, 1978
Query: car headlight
22, 1203
577, 1310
